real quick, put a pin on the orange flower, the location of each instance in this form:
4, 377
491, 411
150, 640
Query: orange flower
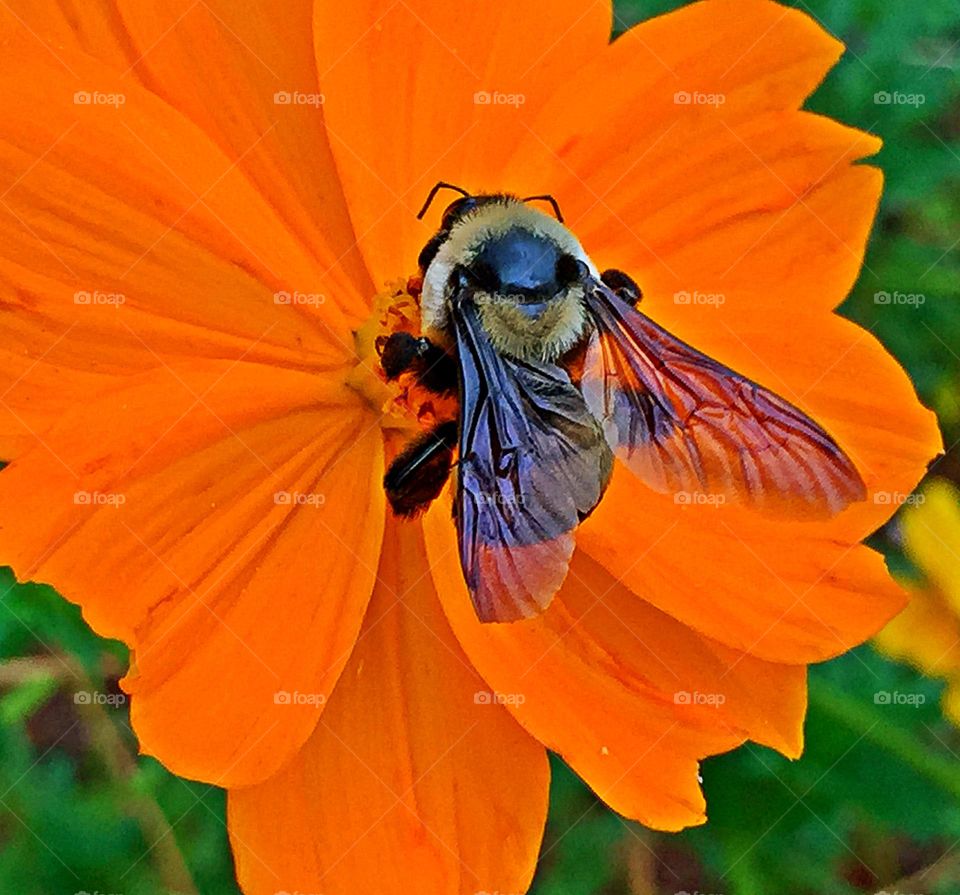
200, 202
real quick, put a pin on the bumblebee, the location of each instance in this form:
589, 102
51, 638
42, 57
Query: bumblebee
557, 373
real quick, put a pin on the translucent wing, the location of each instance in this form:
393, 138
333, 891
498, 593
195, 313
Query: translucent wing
533, 462
685, 423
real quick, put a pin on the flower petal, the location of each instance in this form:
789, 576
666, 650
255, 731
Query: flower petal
405, 88
253, 58
137, 243
783, 591
185, 512
720, 206
629, 697
412, 780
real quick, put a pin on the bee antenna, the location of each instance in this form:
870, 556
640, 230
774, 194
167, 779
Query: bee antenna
440, 185
546, 198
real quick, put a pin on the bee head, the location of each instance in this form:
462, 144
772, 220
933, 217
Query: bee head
523, 269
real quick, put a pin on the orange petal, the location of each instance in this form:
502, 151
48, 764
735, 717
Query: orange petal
212, 517
630, 698
136, 242
701, 176
782, 591
739, 215
706, 65
405, 88
412, 781
758, 54
249, 55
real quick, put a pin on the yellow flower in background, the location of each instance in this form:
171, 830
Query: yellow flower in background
927, 633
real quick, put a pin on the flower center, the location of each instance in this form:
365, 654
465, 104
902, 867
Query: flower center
403, 403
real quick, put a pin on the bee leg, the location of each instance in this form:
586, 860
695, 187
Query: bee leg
418, 473
622, 285
404, 352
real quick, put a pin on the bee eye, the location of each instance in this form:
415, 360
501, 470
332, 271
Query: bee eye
570, 270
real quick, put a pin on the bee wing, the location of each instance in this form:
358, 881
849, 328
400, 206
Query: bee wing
682, 422
533, 462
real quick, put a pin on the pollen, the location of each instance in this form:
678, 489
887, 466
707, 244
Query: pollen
402, 403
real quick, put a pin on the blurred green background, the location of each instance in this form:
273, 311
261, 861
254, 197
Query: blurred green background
873, 805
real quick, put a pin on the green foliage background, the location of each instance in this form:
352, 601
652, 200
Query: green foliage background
873, 803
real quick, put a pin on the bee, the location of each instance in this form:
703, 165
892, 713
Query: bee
557, 373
